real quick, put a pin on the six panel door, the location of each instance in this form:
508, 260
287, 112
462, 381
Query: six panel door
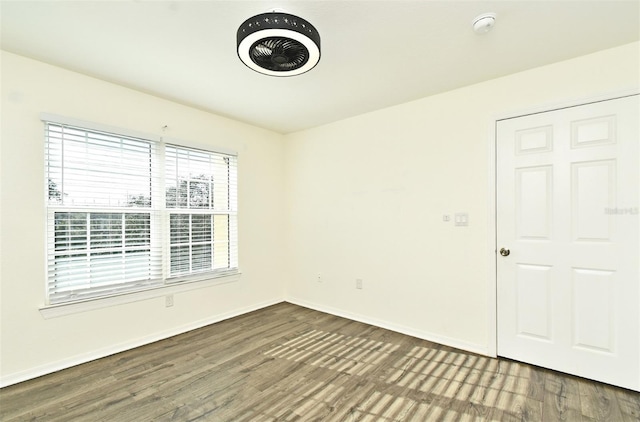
567, 219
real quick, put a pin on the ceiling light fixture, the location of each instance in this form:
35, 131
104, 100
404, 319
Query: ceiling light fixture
484, 23
278, 44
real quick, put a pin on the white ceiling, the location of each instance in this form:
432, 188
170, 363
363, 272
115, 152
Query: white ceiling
374, 53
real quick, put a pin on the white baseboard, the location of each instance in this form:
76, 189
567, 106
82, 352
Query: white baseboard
128, 345
480, 349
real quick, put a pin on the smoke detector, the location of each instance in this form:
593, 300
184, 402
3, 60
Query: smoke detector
277, 43
484, 23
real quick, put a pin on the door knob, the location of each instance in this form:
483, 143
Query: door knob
504, 252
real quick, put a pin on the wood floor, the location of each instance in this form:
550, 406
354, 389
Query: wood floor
289, 363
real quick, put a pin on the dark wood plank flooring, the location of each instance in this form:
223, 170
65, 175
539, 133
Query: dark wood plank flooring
288, 363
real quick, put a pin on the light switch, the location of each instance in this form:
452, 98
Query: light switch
461, 219
446, 217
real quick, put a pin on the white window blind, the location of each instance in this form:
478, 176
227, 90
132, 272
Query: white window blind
201, 195
109, 227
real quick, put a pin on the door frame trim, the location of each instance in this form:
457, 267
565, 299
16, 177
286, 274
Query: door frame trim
492, 223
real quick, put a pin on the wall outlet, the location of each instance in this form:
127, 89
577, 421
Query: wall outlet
168, 301
319, 278
358, 283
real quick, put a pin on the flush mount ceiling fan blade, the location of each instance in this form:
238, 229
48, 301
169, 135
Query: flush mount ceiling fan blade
279, 54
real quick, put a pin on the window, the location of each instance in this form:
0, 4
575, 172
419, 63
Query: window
126, 213
200, 192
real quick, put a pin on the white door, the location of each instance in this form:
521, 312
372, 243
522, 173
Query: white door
567, 216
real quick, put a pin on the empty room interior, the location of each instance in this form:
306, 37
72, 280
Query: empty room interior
320, 210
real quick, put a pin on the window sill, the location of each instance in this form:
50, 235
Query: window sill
54, 311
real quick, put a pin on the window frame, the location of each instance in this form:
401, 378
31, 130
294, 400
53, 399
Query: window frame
158, 210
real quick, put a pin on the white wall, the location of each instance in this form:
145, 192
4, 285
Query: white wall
367, 195
31, 345
364, 199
